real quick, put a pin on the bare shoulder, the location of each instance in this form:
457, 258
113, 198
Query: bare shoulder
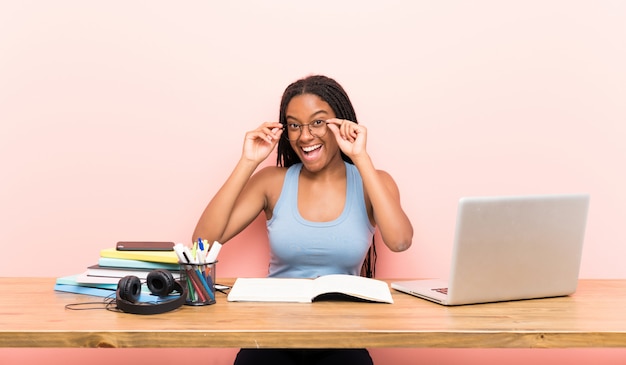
385, 176
388, 181
270, 174
270, 181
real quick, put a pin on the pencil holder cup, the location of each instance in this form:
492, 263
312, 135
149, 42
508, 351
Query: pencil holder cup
200, 282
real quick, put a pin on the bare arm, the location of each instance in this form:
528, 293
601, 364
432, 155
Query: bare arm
226, 214
393, 223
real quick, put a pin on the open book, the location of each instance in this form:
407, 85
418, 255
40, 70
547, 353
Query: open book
308, 290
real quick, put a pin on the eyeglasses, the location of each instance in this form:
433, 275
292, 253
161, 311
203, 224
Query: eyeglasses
317, 128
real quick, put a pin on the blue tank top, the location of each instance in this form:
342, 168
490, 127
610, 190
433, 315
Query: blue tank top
303, 249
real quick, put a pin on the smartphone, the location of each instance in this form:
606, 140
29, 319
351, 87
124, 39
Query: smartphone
144, 246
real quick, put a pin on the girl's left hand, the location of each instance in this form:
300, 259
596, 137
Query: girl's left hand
351, 137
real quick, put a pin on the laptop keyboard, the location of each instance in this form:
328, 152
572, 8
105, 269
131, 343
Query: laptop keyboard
441, 290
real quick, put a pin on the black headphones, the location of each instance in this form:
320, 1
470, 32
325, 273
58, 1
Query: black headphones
160, 282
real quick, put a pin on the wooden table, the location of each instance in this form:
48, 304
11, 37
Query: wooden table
32, 314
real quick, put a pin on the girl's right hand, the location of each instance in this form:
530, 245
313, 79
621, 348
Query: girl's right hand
259, 143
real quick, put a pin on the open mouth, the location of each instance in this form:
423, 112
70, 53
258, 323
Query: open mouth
311, 152
310, 149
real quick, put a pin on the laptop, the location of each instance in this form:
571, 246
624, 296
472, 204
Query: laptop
510, 248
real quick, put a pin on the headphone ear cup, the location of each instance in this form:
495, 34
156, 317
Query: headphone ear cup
160, 282
129, 288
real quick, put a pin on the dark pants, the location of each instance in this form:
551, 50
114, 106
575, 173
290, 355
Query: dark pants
303, 357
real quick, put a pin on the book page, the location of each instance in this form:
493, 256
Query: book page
271, 290
357, 286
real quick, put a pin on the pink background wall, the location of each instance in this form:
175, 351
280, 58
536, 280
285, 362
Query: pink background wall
119, 120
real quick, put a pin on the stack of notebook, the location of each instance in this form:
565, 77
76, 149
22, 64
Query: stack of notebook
101, 279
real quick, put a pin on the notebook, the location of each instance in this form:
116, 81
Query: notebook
510, 248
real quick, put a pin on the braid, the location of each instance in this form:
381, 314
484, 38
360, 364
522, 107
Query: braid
368, 269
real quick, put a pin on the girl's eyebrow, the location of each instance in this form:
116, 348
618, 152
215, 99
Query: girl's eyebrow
310, 117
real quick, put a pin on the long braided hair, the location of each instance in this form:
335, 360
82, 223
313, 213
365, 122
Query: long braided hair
332, 93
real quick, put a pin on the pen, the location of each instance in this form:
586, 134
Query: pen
213, 252
191, 291
183, 259
205, 286
204, 274
203, 245
200, 258
210, 284
187, 257
180, 252
200, 245
191, 274
206, 248
190, 258
194, 251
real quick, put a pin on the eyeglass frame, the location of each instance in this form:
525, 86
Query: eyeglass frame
309, 127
